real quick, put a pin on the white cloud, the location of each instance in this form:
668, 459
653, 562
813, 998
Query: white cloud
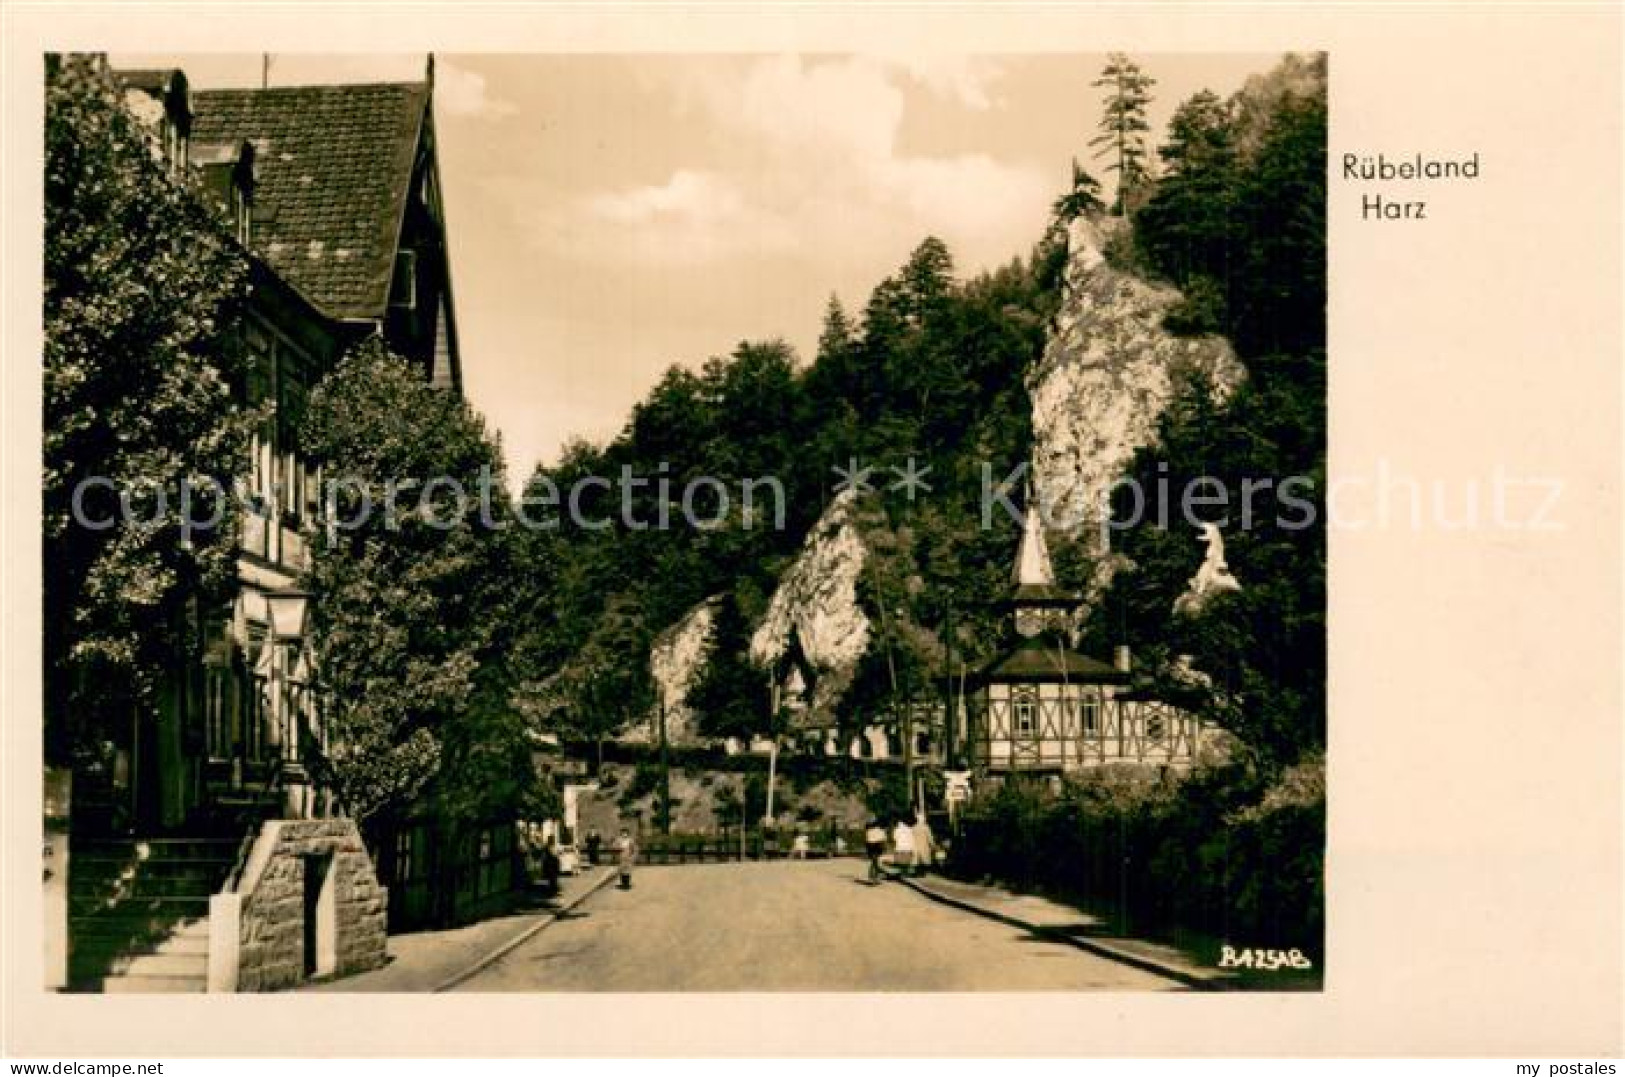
687, 195
966, 79
693, 218
814, 171
460, 92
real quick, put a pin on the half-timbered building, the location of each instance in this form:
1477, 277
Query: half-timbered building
333, 194
1042, 708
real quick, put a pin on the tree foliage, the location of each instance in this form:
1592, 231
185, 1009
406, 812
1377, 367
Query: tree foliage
1124, 127
1243, 234
414, 582
731, 693
1083, 197
142, 392
931, 370
603, 687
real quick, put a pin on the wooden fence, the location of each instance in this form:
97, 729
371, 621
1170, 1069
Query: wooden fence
728, 846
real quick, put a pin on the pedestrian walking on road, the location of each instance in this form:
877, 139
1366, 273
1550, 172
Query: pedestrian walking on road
626, 851
874, 843
594, 844
902, 846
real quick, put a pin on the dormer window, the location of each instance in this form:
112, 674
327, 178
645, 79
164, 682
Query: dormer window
162, 102
178, 129
228, 172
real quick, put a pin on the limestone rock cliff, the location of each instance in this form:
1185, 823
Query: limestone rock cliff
676, 659
817, 599
1107, 372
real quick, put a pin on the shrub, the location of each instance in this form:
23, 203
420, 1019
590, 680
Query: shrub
1219, 851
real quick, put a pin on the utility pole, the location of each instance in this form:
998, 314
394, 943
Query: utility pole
908, 731
665, 772
947, 682
905, 725
773, 747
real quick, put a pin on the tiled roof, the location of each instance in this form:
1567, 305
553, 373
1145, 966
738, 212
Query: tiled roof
333, 167
1041, 660
154, 80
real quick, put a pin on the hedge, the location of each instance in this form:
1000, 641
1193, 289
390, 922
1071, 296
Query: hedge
1218, 851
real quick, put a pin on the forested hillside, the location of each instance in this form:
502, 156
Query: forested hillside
936, 368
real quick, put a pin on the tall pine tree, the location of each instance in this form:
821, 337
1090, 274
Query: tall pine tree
1123, 126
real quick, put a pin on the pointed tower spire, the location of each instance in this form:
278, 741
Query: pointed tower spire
1032, 567
1039, 605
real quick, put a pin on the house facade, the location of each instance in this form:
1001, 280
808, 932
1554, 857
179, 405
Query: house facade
333, 192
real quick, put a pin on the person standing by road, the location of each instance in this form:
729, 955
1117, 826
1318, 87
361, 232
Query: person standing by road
626, 852
925, 844
902, 846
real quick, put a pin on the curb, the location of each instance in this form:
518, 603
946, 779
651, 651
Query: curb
1144, 964
523, 937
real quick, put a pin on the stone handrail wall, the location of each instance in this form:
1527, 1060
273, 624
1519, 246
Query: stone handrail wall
270, 901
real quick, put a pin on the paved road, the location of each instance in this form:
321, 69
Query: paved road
808, 926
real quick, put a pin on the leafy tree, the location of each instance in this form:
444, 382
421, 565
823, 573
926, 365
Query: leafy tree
1123, 126
603, 686
142, 392
836, 339
1239, 222
731, 694
1281, 306
928, 278
410, 625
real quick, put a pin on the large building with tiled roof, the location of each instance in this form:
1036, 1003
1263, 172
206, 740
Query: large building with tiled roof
333, 192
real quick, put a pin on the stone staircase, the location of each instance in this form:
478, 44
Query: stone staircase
138, 911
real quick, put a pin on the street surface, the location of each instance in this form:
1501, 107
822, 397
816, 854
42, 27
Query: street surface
789, 926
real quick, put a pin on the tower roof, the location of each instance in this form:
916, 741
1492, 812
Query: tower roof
1032, 577
1032, 567
1049, 661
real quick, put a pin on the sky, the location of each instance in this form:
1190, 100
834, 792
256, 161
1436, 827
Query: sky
611, 215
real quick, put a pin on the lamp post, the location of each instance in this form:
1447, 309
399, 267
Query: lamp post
288, 610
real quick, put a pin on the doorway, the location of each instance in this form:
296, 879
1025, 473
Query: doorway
320, 919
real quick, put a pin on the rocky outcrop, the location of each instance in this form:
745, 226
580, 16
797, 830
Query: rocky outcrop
817, 600
1107, 372
678, 656
1213, 577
